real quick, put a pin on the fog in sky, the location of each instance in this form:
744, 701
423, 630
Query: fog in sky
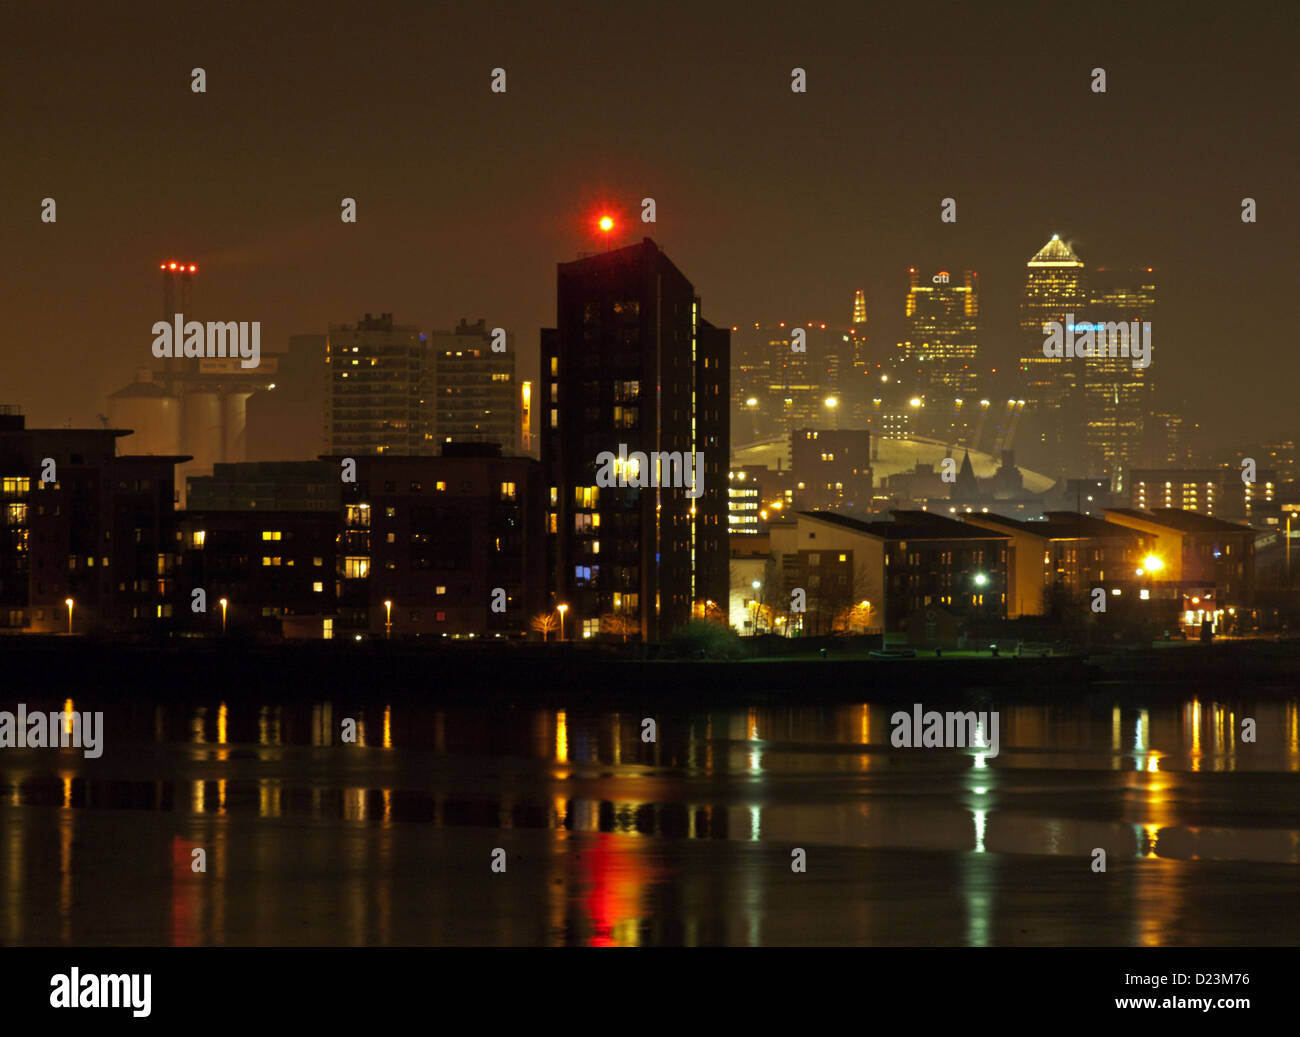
776, 205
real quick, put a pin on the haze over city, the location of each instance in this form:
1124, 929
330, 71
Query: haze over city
780, 205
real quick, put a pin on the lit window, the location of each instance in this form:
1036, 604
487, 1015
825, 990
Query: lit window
317, 587
271, 534
357, 516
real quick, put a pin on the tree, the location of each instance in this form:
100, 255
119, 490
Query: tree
853, 619
619, 624
545, 622
704, 639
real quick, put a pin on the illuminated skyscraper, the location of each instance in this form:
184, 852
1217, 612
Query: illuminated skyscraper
632, 366
474, 388
942, 332
1054, 288
854, 389
380, 379
1116, 395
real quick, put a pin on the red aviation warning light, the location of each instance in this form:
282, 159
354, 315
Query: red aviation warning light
606, 223
177, 279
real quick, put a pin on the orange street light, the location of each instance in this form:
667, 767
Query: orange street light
224, 603
561, 609
68, 602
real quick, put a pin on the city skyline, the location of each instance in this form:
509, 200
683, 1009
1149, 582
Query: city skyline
436, 238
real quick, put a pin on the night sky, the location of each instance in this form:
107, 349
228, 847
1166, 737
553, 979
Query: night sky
776, 205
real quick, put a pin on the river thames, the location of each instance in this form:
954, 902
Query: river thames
691, 839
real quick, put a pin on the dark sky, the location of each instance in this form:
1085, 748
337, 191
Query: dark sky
776, 205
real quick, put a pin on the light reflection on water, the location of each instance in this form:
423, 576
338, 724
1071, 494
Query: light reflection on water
612, 840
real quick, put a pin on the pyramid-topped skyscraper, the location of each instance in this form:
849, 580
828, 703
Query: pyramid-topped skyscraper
1055, 287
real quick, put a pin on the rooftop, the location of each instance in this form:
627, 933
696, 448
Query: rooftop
1183, 521
907, 525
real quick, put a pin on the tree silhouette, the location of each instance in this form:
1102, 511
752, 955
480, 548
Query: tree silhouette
545, 622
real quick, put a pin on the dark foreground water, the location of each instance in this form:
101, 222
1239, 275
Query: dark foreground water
686, 841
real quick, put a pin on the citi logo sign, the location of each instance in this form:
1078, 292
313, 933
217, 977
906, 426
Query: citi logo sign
940, 278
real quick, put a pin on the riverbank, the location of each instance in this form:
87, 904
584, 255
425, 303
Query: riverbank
579, 673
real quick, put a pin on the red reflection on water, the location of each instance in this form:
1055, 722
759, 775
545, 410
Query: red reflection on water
616, 876
185, 893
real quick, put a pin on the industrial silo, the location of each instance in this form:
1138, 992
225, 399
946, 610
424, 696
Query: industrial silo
151, 412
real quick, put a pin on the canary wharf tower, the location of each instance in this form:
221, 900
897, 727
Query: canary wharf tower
1054, 288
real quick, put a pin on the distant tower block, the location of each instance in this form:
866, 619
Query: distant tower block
177, 280
859, 307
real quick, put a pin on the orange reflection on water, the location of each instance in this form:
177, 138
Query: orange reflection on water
561, 737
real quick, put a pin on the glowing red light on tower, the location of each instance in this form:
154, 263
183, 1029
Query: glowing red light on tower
172, 266
162, 266
193, 268
606, 224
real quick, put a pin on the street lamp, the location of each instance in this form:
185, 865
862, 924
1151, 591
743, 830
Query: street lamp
68, 602
224, 603
388, 619
755, 584
561, 609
